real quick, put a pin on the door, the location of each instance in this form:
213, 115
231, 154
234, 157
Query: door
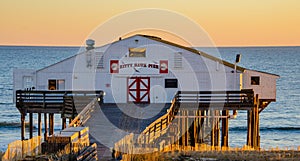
138, 89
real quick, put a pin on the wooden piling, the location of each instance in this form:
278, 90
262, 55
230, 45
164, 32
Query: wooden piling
212, 125
30, 125
217, 128
39, 124
64, 123
254, 132
256, 123
183, 127
46, 126
224, 139
51, 123
201, 126
249, 127
22, 126
187, 128
195, 128
253, 138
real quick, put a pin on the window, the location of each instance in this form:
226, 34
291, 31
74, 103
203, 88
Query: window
54, 84
137, 52
255, 80
61, 84
171, 83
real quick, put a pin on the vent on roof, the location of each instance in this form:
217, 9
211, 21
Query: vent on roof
178, 60
99, 60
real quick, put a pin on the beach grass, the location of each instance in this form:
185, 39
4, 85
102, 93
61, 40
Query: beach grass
238, 155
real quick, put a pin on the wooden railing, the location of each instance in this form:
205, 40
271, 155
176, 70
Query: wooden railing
230, 100
85, 114
49, 101
215, 96
160, 125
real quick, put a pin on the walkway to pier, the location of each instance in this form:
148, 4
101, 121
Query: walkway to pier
122, 121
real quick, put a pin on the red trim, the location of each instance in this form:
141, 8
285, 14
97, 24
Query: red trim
132, 83
132, 95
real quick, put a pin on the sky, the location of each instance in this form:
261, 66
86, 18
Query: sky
227, 22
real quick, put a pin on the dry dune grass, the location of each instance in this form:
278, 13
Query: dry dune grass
228, 155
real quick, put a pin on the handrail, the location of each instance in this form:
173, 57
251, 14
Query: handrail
155, 129
84, 115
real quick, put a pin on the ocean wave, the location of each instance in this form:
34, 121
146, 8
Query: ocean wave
244, 128
18, 125
10, 116
10, 124
6, 103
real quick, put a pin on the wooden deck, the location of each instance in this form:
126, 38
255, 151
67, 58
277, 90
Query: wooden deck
66, 103
52, 101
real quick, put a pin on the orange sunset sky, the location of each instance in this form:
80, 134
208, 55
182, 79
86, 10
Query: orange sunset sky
228, 22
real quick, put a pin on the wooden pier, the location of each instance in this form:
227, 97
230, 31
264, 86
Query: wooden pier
194, 118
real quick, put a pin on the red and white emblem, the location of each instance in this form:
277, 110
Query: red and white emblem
163, 66
114, 66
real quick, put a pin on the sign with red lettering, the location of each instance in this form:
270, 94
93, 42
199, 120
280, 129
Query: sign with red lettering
163, 66
114, 66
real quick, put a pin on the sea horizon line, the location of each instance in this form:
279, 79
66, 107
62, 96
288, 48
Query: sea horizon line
221, 46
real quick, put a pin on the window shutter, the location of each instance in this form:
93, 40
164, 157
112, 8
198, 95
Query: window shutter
178, 60
99, 60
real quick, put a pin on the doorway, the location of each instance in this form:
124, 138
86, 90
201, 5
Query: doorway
138, 89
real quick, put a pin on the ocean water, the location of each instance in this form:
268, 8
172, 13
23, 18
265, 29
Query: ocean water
279, 123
